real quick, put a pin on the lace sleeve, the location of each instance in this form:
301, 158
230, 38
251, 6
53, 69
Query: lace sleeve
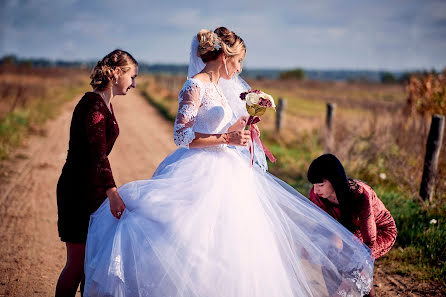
97, 148
189, 102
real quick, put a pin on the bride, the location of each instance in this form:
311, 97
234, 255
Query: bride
208, 224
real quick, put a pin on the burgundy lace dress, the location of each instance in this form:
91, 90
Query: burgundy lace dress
374, 225
86, 174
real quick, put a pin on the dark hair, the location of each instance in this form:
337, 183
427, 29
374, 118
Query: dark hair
230, 44
330, 168
102, 73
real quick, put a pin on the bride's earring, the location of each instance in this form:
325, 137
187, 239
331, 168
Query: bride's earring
116, 82
226, 68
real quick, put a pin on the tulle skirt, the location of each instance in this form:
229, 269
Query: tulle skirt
207, 224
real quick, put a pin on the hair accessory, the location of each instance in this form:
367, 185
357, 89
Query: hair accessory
217, 45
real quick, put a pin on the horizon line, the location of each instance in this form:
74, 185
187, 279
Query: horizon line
266, 68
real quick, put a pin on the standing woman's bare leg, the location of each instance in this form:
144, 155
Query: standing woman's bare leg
73, 273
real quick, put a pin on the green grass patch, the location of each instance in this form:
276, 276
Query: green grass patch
301, 106
293, 158
420, 244
298, 105
305, 107
15, 125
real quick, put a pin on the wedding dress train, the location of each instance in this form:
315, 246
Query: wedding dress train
208, 224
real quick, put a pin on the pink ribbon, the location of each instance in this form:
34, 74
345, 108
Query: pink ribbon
255, 137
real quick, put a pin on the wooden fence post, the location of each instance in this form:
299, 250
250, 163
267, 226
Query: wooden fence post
279, 114
18, 98
433, 147
329, 127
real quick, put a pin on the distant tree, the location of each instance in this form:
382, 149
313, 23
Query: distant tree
363, 79
434, 72
26, 63
297, 73
388, 78
9, 60
405, 78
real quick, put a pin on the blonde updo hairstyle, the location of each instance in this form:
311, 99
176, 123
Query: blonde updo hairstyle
212, 44
102, 74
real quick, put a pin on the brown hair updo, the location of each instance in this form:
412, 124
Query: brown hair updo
102, 74
230, 44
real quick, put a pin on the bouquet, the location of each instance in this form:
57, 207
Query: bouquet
257, 102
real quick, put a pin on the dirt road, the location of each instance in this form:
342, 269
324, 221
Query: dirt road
31, 253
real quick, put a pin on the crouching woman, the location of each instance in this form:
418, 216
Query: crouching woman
353, 203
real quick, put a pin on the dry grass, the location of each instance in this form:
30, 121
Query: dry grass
21, 86
29, 96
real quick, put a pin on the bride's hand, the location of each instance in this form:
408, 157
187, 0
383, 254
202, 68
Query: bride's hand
239, 125
117, 206
242, 137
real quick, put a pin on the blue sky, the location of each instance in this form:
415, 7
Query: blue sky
337, 34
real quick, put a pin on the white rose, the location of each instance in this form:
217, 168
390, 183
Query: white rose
270, 98
252, 98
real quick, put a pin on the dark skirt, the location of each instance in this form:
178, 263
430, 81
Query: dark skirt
76, 200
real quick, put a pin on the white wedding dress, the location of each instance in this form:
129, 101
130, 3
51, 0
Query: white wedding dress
207, 224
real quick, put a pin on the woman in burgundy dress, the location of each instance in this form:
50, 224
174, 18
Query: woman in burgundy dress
86, 179
353, 203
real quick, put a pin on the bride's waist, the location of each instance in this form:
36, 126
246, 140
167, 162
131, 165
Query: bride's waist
221, 148
214, 148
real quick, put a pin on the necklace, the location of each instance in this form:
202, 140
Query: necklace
215, 86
